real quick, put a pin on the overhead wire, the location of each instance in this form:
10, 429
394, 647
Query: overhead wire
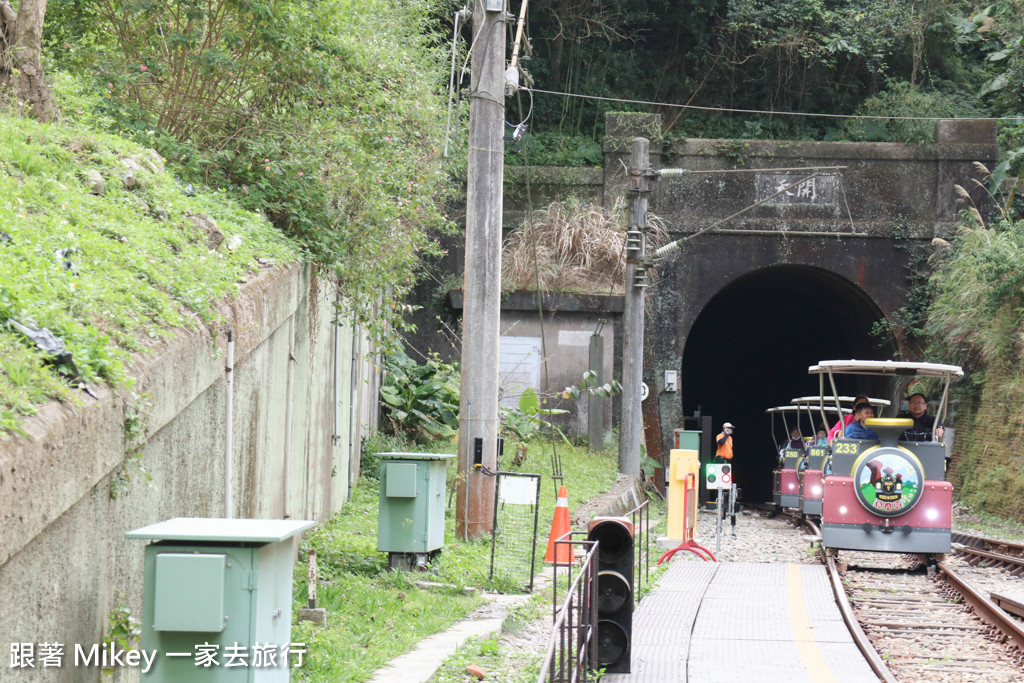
452, 92
770, 112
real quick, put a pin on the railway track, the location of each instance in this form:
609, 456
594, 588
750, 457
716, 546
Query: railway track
984, 552
913, 624
918, 623
921, 626
1009, 548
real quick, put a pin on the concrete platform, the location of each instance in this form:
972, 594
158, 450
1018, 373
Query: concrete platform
708, 622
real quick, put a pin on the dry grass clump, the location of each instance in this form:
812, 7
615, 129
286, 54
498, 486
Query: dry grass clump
572, 246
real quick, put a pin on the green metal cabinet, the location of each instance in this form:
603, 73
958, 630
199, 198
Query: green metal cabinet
222, 586
688, 439
410, 525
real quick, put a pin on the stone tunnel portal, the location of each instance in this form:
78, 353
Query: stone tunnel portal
751, 345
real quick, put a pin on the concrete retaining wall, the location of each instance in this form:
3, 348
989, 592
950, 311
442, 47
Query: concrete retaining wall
64, 561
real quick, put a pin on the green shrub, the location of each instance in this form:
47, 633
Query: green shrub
371, 448
902, 99
421, 401
978, 311
325, 116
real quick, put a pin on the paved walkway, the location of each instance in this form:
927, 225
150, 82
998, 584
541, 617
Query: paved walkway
737, 622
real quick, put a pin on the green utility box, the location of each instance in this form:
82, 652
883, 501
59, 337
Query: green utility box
217, 599
410, 527
688, 439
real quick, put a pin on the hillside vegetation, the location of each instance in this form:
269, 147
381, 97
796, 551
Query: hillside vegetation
227, 137
976, 319
326, 119
902, 58
100, 245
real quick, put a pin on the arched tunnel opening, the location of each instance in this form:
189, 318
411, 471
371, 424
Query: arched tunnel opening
750, 347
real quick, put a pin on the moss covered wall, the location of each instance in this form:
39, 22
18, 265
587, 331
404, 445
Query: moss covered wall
988, 454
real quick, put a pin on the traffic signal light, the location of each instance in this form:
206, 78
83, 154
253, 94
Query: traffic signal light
718, 475
615, 595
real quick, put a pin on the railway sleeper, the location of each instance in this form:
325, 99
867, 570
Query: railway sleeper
924, 627
942, 656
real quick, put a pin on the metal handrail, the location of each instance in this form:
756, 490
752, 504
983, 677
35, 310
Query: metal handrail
640, 517
574, 620
576, 658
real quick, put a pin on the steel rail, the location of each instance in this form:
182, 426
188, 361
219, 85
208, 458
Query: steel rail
1012, 564
990, 544
860, 639
987, 610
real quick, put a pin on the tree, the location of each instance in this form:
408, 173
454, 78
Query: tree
21, 38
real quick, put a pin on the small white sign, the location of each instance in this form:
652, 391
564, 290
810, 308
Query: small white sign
671, 380
518, 491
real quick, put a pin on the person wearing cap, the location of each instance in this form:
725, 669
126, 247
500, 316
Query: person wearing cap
857, 429
724, 441
845, 420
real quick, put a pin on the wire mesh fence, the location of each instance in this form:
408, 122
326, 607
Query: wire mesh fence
514, 546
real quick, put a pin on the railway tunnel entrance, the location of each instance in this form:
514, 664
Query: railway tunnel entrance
751, 345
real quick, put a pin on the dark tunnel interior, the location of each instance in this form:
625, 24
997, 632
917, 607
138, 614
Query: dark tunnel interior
751, 345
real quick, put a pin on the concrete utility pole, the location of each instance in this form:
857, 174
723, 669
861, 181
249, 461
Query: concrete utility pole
633, 308
481, 313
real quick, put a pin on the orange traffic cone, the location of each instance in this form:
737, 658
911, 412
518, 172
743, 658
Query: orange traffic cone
559, 528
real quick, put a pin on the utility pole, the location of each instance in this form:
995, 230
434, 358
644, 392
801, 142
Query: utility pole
481, 313
633, 308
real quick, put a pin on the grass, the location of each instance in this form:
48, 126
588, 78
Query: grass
512, 664
126, 276
571, 246
990, 525
25, 383
374, 614
491, 657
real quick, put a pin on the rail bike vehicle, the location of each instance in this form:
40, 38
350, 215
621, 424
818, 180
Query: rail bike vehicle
887, 494
812, 469
785, 485
809, 467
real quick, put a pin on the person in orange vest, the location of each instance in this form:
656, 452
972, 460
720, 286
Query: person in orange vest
724, 440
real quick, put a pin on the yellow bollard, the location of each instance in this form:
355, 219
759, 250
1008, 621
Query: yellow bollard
684, 468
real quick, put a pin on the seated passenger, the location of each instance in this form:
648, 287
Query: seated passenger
846, 419
795, 440
822, 437
923, 423
856, 429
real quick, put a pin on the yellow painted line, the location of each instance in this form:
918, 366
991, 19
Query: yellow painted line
806, 645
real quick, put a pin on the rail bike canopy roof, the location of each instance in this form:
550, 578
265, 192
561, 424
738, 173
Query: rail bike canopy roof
815, 400
889, 368
885, 368
782, 409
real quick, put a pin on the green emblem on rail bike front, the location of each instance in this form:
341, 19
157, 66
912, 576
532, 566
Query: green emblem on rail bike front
888, 480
